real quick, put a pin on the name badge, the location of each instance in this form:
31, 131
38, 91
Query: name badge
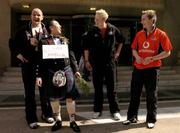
55, 51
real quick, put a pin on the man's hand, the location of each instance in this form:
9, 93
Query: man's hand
21, 58
88, 66
139, 60
78, 75
116, 56
39, 81
147, 60
34, 41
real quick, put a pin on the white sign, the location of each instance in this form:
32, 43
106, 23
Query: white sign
55, 51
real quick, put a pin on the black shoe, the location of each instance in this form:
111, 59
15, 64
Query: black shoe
56, 126
74, 127
47, 119
33, 125
129, 121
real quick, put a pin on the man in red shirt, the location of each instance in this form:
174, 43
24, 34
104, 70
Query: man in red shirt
149, 46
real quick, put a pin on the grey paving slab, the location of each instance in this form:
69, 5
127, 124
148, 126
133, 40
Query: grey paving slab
12, 121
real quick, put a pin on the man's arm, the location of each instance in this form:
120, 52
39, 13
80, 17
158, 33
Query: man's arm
18, 46
160, 56
119, 42
86, 55
86, 60
118, 51
139, 60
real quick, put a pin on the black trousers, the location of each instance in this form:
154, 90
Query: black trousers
29, 78
107, 74
149, 79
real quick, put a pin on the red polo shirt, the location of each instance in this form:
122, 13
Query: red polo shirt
148, 46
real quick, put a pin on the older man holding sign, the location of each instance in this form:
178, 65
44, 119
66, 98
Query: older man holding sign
55, 71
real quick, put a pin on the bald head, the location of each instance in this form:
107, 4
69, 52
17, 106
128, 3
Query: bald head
37, 10
36, 16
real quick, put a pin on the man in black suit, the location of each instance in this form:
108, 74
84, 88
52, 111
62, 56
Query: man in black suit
26, 47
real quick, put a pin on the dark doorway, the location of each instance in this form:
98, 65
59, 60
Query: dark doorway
129, 27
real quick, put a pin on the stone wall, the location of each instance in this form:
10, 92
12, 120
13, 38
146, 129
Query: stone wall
4, 34
171, 24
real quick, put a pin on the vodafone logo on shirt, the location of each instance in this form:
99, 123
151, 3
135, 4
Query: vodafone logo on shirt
146, 45
146, 48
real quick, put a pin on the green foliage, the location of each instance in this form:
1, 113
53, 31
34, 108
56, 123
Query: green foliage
83, 86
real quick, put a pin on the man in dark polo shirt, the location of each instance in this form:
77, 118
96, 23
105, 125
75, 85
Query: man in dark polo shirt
102, 48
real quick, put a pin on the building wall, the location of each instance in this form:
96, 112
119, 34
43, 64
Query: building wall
171, 24
4, 34
168, 20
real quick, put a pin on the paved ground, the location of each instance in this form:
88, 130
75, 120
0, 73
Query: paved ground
12, 121
12, 118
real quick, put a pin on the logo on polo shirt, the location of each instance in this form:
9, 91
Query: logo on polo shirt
146, 45
145, 49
